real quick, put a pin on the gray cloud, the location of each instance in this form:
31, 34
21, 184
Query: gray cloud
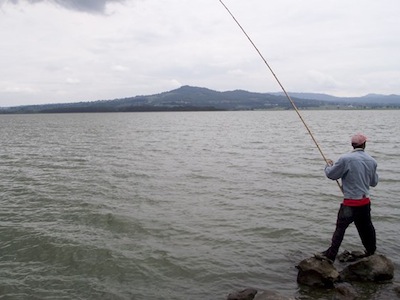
90, 6
82, 50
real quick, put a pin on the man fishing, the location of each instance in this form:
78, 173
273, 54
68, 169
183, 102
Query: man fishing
357, 170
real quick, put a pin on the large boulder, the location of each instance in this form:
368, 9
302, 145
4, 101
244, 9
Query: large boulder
316, 272
374, 268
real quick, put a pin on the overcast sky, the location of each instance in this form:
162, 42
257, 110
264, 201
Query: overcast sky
58, 51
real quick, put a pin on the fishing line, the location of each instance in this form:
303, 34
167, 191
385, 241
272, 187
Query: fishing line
280, 84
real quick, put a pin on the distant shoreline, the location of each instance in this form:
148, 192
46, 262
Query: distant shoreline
189, 98
4, 112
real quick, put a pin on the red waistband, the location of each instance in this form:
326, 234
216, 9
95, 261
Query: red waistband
356, 202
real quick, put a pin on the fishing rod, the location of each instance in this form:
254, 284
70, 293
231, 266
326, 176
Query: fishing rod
282, 87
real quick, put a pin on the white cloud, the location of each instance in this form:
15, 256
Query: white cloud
120, 68
323, 82
58, 51
19, 90
73, 80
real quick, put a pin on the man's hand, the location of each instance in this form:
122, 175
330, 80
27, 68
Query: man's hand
329, 162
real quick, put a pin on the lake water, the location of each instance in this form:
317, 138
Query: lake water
190, 205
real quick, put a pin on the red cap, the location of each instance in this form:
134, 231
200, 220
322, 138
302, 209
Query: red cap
358, 139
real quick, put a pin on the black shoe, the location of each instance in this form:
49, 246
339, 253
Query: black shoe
360, 254
368, 253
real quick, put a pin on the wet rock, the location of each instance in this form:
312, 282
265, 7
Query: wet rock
374, 268
246, 294
253, 294
317, 272
270, 295
347, 256
345, 291
396, 289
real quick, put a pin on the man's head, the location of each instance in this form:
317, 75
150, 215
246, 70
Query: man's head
358, 140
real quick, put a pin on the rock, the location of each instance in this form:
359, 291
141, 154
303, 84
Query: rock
246, 294
253, 294
347, 256
396, 288
374, 268
270, 295
317, 272
345, 291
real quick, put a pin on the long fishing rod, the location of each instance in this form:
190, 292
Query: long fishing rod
280, 84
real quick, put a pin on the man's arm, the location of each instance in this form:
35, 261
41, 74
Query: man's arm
374, 178
336, 170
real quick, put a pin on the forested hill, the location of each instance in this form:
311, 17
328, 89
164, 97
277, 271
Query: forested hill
189, 98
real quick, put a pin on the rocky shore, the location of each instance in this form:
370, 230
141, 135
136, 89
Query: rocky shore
337, 279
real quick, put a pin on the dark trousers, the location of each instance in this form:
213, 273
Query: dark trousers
361, 216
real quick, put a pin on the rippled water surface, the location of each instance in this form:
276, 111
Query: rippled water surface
180, 205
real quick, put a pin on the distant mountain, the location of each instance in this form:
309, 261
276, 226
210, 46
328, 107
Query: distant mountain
188, 98
375, 99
